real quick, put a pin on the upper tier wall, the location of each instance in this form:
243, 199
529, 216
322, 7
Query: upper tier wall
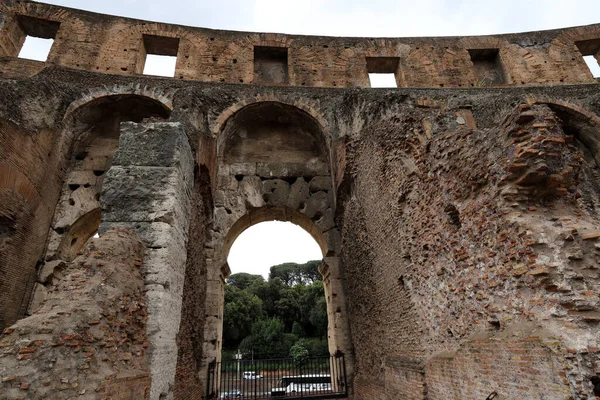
117, 45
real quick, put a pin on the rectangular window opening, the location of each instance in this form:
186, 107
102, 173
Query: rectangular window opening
160, 55
160, 65
593, 65
590, 49
488, 67
271, 65
35, 48
39, 37
383, 80
383, 71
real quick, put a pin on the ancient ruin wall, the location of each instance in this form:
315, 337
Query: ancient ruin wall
461, 223
117, 45
481, 255
88, 340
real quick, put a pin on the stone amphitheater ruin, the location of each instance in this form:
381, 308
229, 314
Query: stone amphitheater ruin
458, 214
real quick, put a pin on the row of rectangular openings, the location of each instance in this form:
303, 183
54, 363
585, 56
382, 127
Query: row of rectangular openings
39, 37
590, 49
271, 63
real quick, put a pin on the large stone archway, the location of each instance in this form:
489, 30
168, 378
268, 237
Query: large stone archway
272, 165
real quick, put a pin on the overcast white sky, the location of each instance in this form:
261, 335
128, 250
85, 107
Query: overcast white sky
272, 243
357, 17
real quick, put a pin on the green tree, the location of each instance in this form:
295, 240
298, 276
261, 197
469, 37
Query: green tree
317, 347
241, 310
299, 354
268, 340
297, 274
243, 280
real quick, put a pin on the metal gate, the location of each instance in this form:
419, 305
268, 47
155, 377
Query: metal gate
314, 378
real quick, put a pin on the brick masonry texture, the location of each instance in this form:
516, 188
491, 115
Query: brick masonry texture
88, 340
458, 214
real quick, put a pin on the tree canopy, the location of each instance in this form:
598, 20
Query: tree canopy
267, 318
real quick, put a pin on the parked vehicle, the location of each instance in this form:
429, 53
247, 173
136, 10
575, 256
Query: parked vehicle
231, 394
303, 383
252, 375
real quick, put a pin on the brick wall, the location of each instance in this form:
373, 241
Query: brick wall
190, 339
116, 45
29, 188
471, 239
515, 368
89, 337
134, 385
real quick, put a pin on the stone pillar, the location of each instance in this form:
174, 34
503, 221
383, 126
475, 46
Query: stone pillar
338, 328
148, 188
213, 327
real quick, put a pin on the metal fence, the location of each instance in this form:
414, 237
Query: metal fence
314, 378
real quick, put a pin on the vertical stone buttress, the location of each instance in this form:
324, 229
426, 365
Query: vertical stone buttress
339, 337
148, 188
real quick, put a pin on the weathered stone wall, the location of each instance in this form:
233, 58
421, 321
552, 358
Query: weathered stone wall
505, 235
148, 189
27, 199
77, 215
515, 364
88, 340
459, 227
190, 339
118, 45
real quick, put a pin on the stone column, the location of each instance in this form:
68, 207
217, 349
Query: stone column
148, 189
213, 327
338, 330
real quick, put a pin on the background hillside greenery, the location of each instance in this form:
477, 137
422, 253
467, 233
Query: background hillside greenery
265, 319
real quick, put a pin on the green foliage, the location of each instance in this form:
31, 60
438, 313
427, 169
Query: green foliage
317, 347
297, 274
298, 329
241, 310
243, 280
268, 318
299, 354
268, 340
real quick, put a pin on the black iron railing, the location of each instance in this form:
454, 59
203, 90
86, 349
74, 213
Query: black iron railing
314, 378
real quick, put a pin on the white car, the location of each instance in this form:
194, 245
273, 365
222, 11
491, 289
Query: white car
231, 395
252, 375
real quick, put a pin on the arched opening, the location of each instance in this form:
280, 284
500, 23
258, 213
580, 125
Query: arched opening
78, 235
583, 130
95, 128
273, 164
274, 276
582, 127
277, 315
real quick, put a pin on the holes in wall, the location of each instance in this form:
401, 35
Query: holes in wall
270, 65
383, 72
383, 80
160, 55
590, 50
36, 48
39, 37
488, 67
593, 65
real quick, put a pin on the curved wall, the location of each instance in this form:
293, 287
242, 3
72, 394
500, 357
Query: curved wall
117, 45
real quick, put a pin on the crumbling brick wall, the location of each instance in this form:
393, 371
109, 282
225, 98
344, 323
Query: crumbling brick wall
468, 217
190, 339
29, 186
116, 45
472, 239
88, 340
